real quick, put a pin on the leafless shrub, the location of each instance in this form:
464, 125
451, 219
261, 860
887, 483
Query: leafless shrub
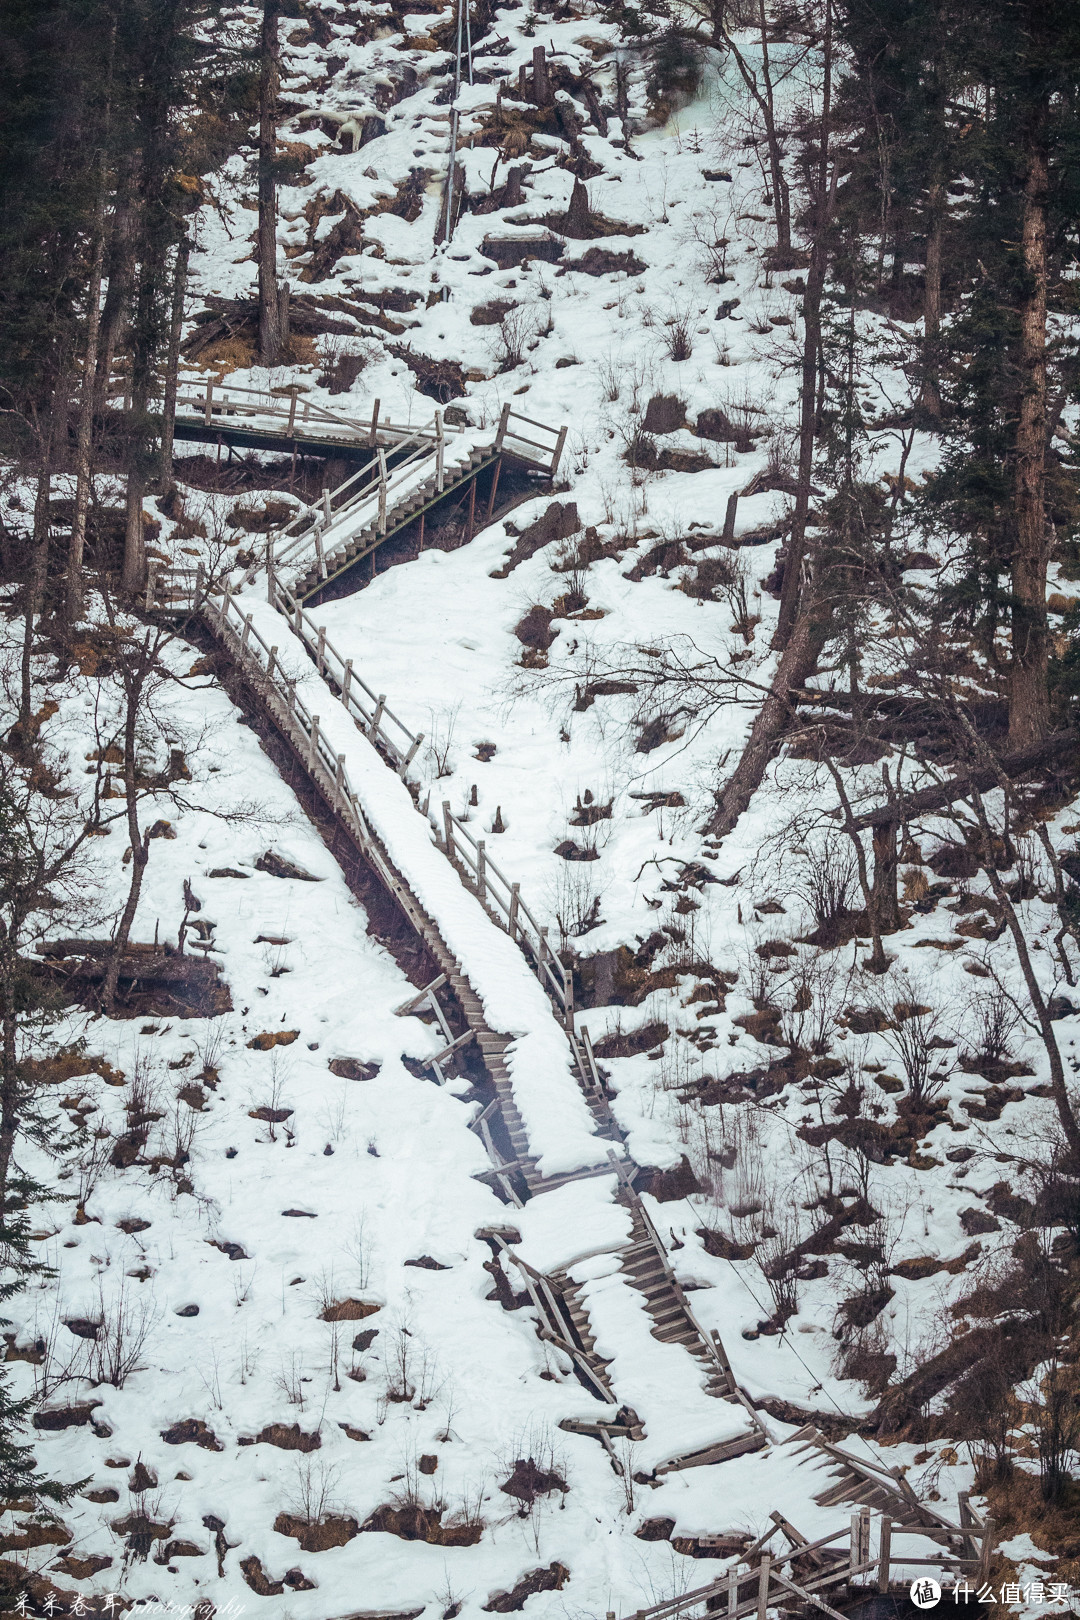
516, 332
578, 899
913, 1035
441, 730
712, 230
291, 1379
314, 1492
825, 879
126, 1325
993, 1020
678, 332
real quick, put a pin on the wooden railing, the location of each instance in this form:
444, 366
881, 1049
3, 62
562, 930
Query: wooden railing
503, 898
372, 493
752, 1588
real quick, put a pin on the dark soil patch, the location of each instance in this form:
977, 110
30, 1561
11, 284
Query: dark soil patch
414, 1523
336, 1530
551, 1579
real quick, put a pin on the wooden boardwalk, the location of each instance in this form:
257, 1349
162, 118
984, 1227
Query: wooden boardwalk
562, 1316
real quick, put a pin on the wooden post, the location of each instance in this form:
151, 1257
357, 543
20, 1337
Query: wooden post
225, 595
313, 743
448, 828
200, 584
270, 662
472, 511
339, 774
421, 545
246, 632
515, 900
494, 487
763, 1587
986, 1552
346, 682
320, 649
541, 952
884, 1553
209, 397
732, 1591
557, 454
292, 419
883, 895
439, 475
540, 79
382, 492
728, 537
319, 549
503, 419
151, 581
376, 718
326, 505
374, 421
481, 868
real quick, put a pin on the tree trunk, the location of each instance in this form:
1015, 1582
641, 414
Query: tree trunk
270, 335
797, 664
764, 99
176, 327
823, 203
808, 417
140, 847
121, 275
36, 578
85, 432
930, 397
1029, 705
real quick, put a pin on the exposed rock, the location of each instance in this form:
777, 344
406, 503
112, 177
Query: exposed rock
192, 1431
347, 1310
551, 1579
347, 1068
335, 1530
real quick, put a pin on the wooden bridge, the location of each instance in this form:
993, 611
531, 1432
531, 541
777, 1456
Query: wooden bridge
762, 1578
404, 471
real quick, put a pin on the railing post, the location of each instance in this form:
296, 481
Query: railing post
151, 581
339, 775
200, 584
270, 662
481, 868
541, 952
292, 409
557, 454
313, 743
298, 619
859, 1547
209, 398
732, 1591
376, 718
503, 420
884, 1553
439, 472
515, 900
346, 682
320, 650
986, 1552
246, 632
763, 1586
448, 828
382, 493
319, 548
374, 421
225, 595
407, 761
326, 504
